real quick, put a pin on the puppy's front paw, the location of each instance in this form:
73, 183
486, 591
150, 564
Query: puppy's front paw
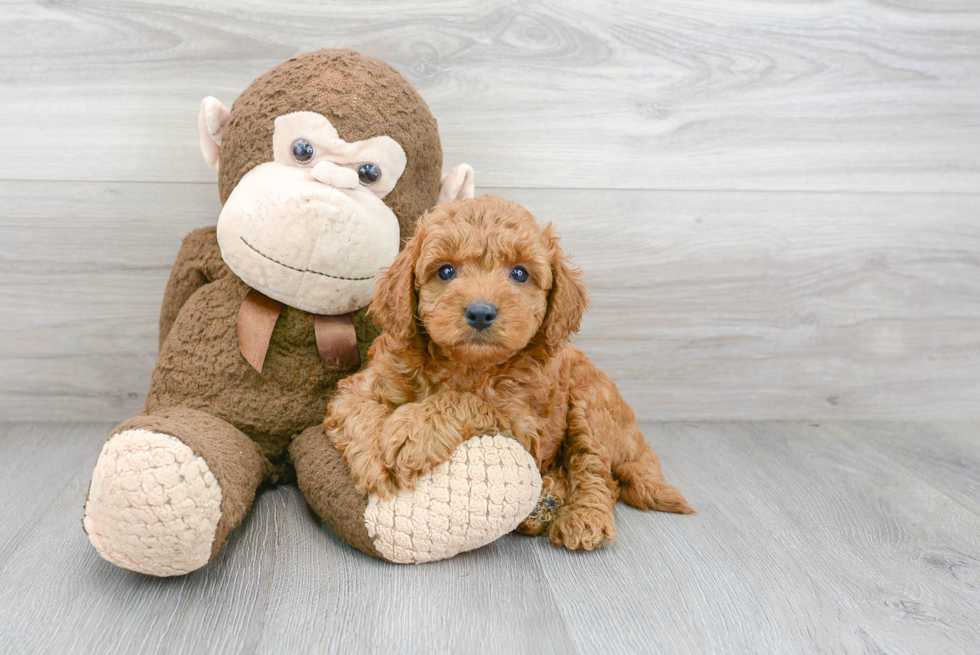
584, 528
408, 463
385, 485
416, 441
369, 474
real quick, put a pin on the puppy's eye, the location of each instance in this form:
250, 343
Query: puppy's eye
303, 151
447, 272
368, 174
519, 274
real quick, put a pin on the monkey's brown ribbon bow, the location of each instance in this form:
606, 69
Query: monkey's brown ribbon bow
336, 339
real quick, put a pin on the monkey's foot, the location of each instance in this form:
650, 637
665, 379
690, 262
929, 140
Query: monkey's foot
484, 491
153, 506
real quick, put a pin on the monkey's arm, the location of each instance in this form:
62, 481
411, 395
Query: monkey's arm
198, 262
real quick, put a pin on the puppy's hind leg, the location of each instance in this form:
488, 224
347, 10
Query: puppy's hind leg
634, 465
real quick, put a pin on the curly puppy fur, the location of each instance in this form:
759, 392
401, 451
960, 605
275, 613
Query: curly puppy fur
435, 380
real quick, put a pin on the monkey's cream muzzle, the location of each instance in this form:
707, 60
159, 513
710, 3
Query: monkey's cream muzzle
310, 245
309, 232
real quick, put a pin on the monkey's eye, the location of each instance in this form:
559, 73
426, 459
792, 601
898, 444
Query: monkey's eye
447, 272
303, 151
368, 173
519, 274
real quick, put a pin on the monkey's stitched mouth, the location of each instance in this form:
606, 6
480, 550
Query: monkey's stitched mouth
304, 270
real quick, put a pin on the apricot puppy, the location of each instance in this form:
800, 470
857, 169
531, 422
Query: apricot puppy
477, 312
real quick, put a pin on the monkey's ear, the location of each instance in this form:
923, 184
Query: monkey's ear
211, 123
457, 184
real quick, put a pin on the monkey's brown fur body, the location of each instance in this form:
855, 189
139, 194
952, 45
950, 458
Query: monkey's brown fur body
249, 427
433, 381
200, 365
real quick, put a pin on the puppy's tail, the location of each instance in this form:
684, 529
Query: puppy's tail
642, 485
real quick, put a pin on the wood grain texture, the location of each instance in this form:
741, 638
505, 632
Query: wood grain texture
809, 538
705, 305
775, 203
804, 542
677, 94
943, 455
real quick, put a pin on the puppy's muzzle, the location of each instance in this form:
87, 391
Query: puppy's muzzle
480, 315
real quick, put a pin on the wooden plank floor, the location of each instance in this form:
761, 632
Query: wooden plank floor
838, 537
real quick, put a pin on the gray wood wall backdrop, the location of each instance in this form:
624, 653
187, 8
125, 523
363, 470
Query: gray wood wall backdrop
777, 205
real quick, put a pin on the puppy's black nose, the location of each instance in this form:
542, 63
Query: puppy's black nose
481, 315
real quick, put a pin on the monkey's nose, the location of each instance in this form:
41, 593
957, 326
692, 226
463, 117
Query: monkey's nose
481, 315
334, 175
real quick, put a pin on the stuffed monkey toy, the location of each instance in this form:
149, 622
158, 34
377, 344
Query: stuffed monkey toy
324, 164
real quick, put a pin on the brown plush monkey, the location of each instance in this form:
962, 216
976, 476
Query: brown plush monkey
325, 162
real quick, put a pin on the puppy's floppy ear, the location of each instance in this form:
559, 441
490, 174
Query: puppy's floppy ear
394, 305
567, 301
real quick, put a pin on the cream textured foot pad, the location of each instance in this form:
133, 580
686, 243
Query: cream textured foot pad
153, 506
483, 492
